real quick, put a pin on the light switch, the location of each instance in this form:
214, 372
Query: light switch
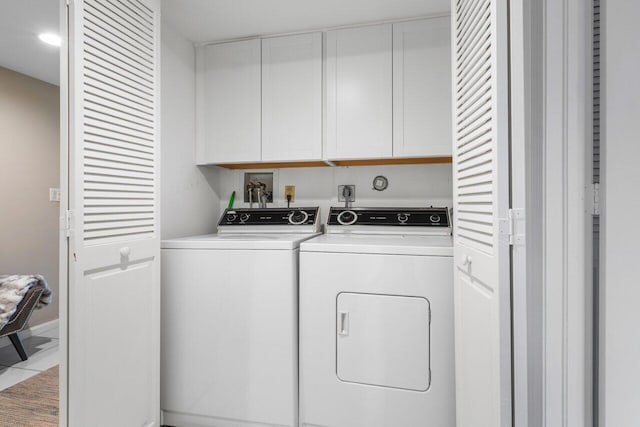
54, 195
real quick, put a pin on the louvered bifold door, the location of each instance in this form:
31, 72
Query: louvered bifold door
114, 291
481, 202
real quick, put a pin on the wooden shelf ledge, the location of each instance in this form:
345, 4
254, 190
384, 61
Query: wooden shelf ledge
367, 162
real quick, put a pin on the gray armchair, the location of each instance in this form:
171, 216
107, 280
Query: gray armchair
18, 321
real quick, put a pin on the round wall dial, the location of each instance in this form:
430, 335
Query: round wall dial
380, 183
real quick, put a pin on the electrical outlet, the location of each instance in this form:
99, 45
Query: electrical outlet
290, 190
346, 193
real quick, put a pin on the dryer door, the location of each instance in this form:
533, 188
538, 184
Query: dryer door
383, 340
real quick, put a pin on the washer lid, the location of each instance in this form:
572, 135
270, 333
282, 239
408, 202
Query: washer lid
242, 241
395, 244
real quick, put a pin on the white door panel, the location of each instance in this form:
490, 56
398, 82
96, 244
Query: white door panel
477, 301
292, 98
359, 92
325, 399
115, 352
231, 360
481, 204
422, 88
229, 102
114, 293
383, 340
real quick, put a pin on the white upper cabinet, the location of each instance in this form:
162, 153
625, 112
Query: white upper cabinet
422, 88
359, 93
387, 94
292, 98
229, 102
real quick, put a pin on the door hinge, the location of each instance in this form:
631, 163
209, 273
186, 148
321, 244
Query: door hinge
67, 224
595, 190
516, 227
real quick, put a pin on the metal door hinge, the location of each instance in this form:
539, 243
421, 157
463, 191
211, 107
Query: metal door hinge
516, 227
66, 225
595, 190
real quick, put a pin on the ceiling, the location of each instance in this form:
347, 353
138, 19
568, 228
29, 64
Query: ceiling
210, 20
198, 20
20, 49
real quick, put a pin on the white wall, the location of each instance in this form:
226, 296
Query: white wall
409, 185
189, 202
193, 197
620, 234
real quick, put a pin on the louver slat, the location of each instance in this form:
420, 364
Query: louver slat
91, 171
95, 212
127, 217
481, 217
119, 134
474, 126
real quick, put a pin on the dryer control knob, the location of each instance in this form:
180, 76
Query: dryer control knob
434, 218
402, 218
347, 217
244, 217
231, 217
298, 217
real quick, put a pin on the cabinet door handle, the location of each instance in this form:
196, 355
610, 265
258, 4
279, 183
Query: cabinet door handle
344, 324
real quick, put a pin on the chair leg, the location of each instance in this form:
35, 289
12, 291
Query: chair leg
17, 343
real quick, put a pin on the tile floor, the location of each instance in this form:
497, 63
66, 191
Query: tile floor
42, 350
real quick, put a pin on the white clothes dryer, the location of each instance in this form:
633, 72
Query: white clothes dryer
230, 320
376, 320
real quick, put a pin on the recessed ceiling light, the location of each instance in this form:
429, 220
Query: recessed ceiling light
50, 38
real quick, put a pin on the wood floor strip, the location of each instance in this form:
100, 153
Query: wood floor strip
31, 403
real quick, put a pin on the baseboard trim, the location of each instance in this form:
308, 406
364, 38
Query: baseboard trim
32, 331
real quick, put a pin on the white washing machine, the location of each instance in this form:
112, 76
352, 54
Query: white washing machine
376, 320
230, 320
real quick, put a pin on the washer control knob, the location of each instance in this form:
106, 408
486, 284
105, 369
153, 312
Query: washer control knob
244, 217
298, 217
231, 217
402, 218
434, 218
347, 218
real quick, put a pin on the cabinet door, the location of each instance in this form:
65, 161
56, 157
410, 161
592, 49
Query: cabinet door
359, 97
292, 98
383, 340
422, 88
229, 107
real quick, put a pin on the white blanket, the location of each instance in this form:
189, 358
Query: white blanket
12, 290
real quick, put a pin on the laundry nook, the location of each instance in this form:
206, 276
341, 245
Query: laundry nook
336, 213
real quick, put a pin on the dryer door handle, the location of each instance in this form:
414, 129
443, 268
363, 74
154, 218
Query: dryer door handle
343, 327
